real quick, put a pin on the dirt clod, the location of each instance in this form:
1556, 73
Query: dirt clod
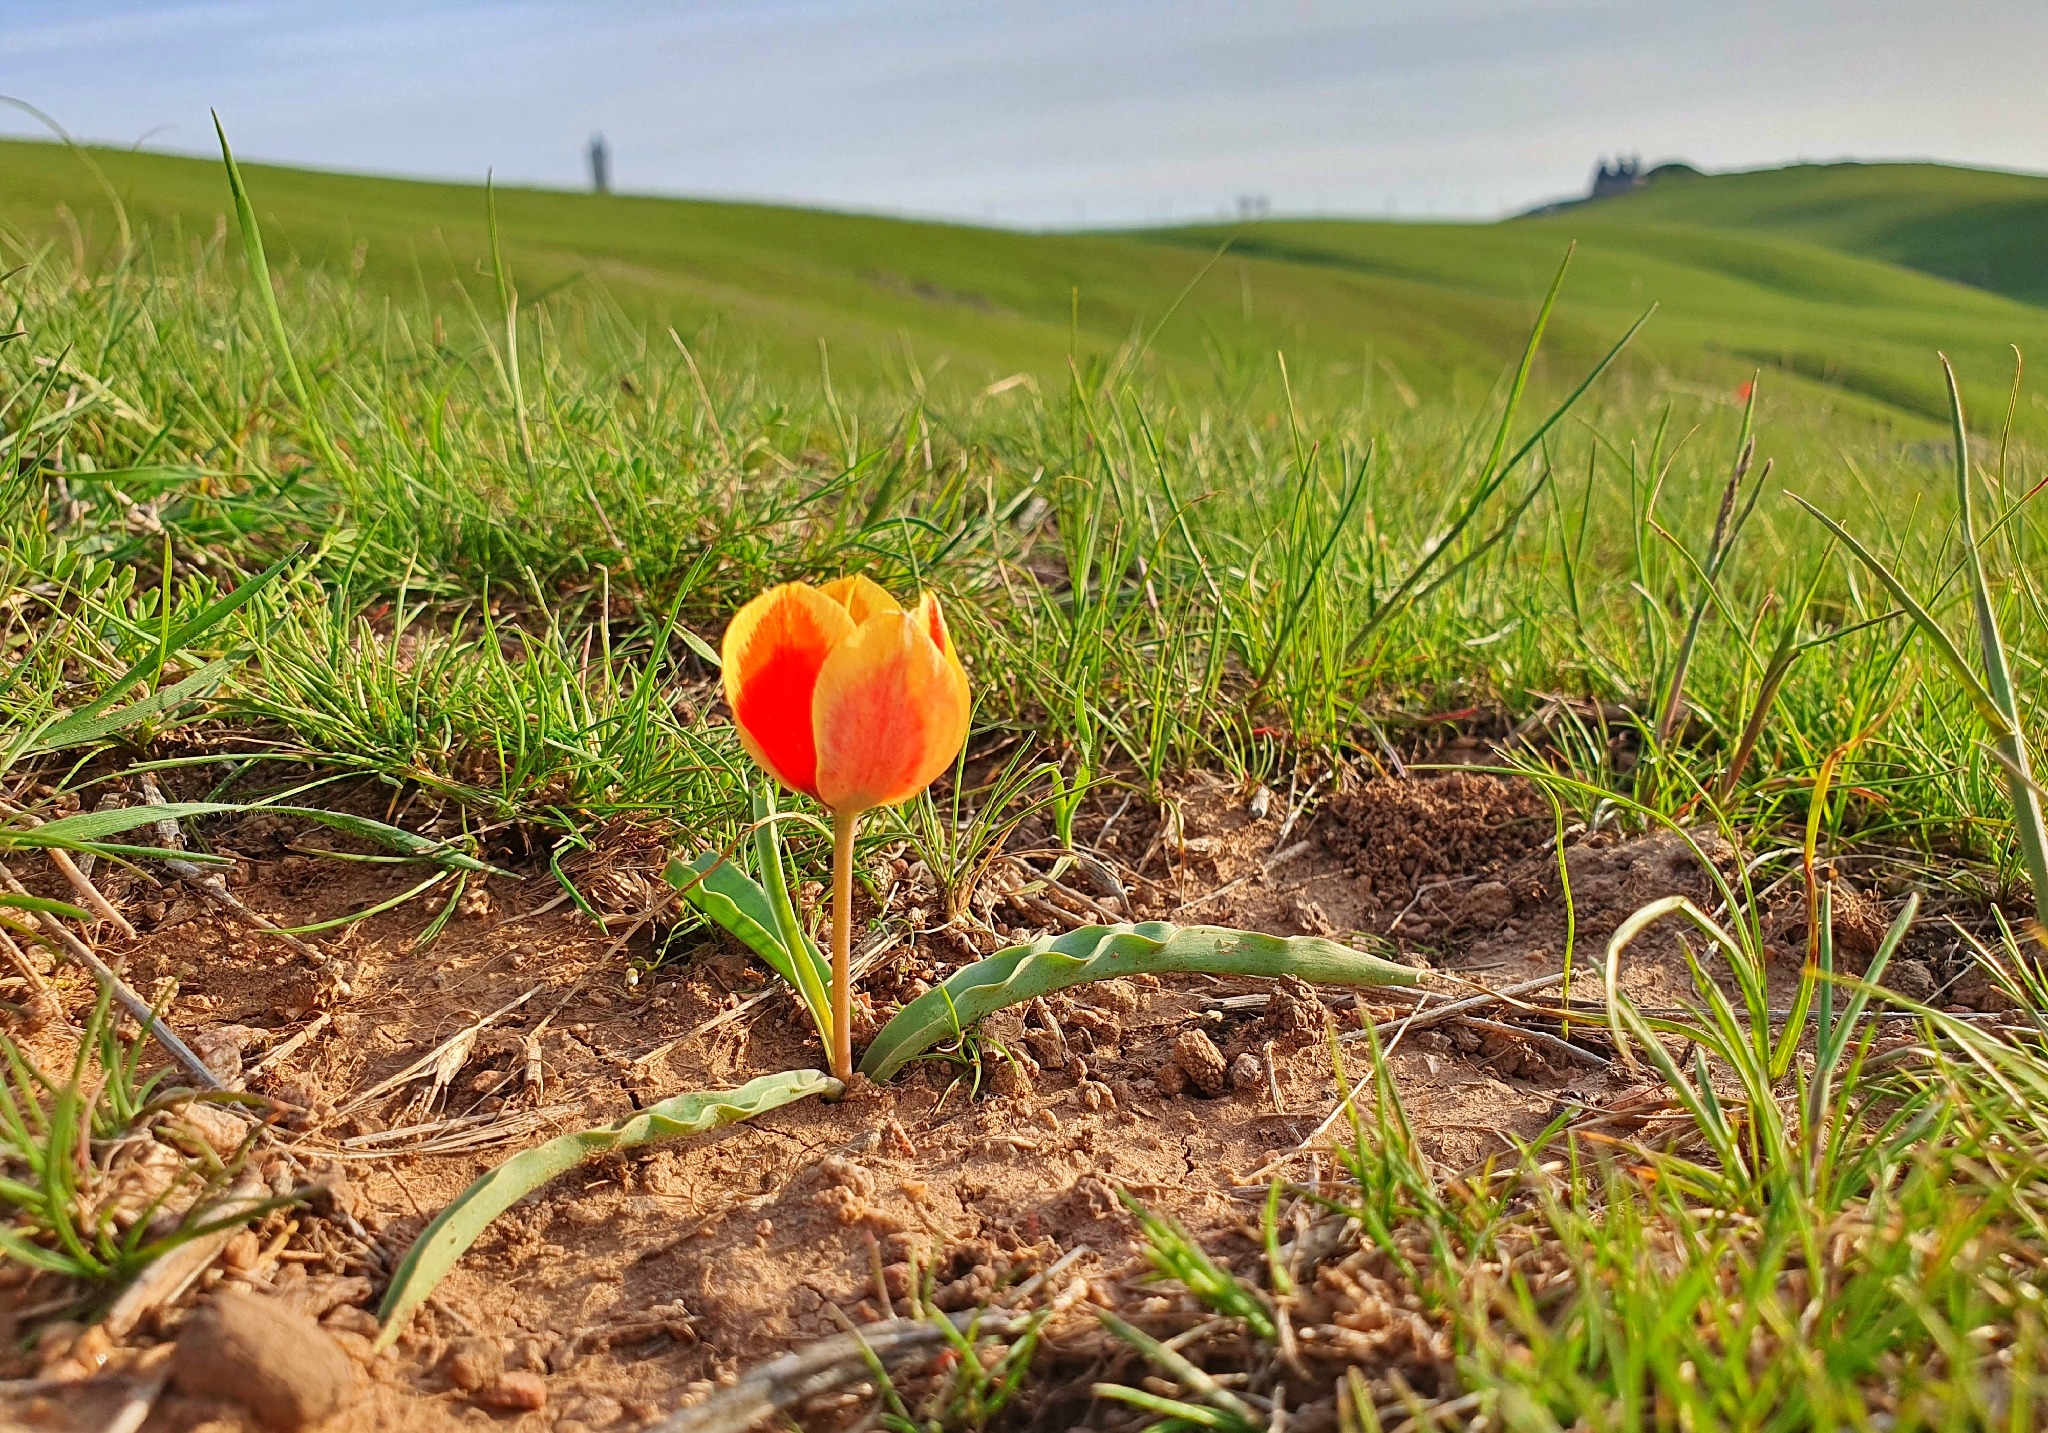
1488, 904
1309, 916
271, 1359
1860, 922
1398, 834
1198, 1058
847, 1188
1910, 978
1294, 1014
473, 1363
520, 1392
1246, 1073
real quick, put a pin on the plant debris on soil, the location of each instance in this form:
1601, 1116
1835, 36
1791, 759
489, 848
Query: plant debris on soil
395, 1071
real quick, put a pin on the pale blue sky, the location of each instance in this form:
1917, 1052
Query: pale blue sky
1043, 112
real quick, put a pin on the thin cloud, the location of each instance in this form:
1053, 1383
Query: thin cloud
1045, 111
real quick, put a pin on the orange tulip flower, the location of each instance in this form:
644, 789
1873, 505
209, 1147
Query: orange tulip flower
841, 694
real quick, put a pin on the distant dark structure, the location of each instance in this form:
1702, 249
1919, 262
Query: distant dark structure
600, 166
1626, 174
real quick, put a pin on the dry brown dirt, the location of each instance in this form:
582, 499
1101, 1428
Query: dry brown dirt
638, 1283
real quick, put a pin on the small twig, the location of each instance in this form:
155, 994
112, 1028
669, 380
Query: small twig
1045, 910
715, 1022
209, 884
1266, 868
1296, 810
40, 990
1456, 1008
134, 1004
434, 1131
1429, 890
640, 922
864, 959
833, 1363
289, 1047
135, 1408
1080, 898
1394, 762
168, 1277
427, 1061
823, 1367
1281, 858
1539, 1037
1401, 1033
1273, 1080
87, 891
79, 877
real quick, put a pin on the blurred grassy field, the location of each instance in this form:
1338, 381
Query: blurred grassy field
1845, 292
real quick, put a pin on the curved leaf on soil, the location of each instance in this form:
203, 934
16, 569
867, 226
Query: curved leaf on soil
458, 1226
1105, 952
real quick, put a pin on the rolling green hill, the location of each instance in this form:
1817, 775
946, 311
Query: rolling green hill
1831, 276
1979, 227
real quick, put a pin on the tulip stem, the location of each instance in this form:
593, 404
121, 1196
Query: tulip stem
844, 823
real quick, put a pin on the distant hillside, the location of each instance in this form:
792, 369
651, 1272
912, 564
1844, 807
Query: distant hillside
884, 294
1813, 273
1979, 227
1859, 326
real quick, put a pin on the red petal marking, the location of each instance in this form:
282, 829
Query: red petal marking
774, 648
775, 710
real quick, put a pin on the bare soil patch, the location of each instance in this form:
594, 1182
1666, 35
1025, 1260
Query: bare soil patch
636, 1284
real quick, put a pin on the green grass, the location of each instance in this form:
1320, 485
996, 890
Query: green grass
500, 568
1152, 574
1382, 312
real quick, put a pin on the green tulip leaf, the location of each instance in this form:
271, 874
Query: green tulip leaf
458, 1226
738, 904
1105, 952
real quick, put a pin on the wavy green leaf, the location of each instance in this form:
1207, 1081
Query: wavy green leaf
1105, 952
735, 902
458, 1226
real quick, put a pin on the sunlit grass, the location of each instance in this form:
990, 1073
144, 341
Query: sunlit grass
504, 546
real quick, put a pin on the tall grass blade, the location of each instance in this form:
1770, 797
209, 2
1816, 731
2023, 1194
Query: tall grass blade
279, 335
2026, 804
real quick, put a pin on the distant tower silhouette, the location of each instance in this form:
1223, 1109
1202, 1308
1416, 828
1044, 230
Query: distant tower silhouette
600, 165
1626, 174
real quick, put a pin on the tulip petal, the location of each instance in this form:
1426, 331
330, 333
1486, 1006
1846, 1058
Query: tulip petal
861, 596
933, 623
774, 649
890, 713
